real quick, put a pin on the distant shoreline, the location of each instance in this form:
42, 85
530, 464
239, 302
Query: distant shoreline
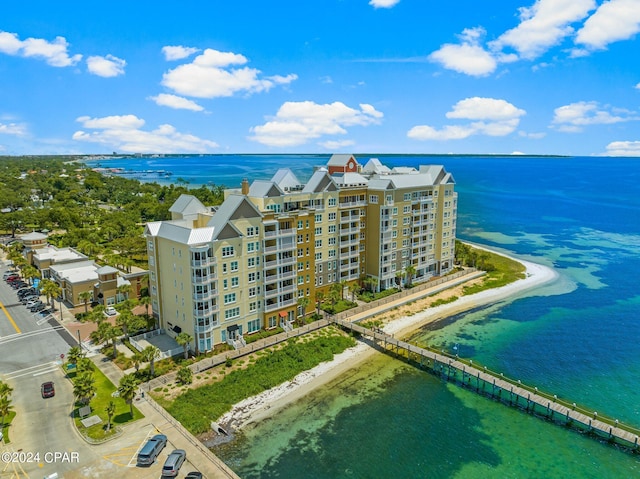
265, 404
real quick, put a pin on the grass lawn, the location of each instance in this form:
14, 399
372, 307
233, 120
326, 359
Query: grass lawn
5, 426
99, 403
506, 271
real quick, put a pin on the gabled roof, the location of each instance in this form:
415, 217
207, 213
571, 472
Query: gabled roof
350, 179
264, 189
233, 208
285, 179
339, 159
180, 232
106, 270
187, 205
375, 166
403, 170
320, 181
439, 174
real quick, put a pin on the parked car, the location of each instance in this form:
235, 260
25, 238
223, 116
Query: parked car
6, 274
35, 307
26, 292
28, 298
47, 389
193, 475
151, 450
32, 302
19, 284
11, 278
173, 463
110, 311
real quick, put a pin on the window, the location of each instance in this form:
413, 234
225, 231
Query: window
300, 266
318, 256
225, 283
319, 268
406, 209
332, 216
395, 211
252, 277
300, 239
252, 231
390, 199
332, 253
250, 247
252, 292
251, 262
319, 243
272, 321
299, 224
234, 266
229, 298
332, 241
373, 199
231, 313
318, 218
300, 279
332, 228
318, 231
253, 326
227, 251
253, 306
234, 282
332, 201
407, 197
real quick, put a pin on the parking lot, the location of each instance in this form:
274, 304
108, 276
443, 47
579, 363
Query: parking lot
32, 346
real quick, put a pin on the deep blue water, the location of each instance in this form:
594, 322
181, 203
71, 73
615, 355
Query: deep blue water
578, 337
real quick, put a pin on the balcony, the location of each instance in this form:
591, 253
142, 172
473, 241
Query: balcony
205, 313
280, 262
204, 279
279, 305
205, 295
350, 230
349, 241
279, 233
208, 328
351, 253
352, 204
422, 199
349, 218
270, 278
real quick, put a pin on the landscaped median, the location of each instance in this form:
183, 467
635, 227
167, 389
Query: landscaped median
103, 400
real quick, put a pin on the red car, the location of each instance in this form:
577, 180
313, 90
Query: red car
12, 278
47, 390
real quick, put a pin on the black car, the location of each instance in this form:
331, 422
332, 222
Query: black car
193, 475
39, 307
34, 306
25, 291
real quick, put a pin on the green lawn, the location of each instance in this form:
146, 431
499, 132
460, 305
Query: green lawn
503, 272
99, 403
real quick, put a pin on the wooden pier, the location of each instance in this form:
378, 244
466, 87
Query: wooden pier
502, 389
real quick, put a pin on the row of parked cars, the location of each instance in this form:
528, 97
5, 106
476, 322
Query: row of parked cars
27, 294
152, 449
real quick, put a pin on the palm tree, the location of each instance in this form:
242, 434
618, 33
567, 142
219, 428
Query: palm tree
85, 296
110, 410
353, 289
183, 339
319, 300
30, 272
5, 390
74, 355
5, 408
137, 359
127, 388
150, 354
84, 387
343, 285
303, 303
185, 375
123, 292
50, 289
146, 301
410, 270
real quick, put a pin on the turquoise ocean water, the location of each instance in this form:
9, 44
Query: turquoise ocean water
578, 338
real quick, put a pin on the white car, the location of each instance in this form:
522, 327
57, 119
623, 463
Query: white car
110, 311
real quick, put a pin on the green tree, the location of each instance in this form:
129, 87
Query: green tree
185, 376
319, 300
50, 289
85, 297
354, 288
74, 355
110, 410
30, 272
84, 387
410, 271
127, 388
150, 354
303, 303
5, 408
5, 389
183, 339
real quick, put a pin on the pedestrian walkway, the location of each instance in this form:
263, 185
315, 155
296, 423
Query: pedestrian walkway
210, 466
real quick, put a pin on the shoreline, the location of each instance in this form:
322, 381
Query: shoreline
263, 405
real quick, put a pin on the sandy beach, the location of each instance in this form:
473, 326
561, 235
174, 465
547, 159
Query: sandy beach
263, 405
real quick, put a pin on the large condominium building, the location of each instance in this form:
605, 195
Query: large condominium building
260, 259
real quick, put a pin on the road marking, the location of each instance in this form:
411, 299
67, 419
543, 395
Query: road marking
13, 323
46, 371
33, 370
15, 337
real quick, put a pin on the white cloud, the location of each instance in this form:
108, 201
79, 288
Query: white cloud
468, 57
336, 144
533, 136
477, 108
573, 117
123, 133
14, 129
638, 86
108, 66
383, 3
543, 25
497, 118
623, 148
210, 75
54, 53
176, 102
178, 52
296, 123
613, 21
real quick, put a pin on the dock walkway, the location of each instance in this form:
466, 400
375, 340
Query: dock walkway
503, 389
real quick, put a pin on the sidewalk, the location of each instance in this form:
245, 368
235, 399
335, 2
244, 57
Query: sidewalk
211, 467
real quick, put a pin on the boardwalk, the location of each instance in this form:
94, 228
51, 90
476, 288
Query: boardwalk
504, 390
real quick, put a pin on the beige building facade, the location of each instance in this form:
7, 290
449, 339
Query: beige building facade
260, 260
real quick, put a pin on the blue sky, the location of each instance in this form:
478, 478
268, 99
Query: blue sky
356, 76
